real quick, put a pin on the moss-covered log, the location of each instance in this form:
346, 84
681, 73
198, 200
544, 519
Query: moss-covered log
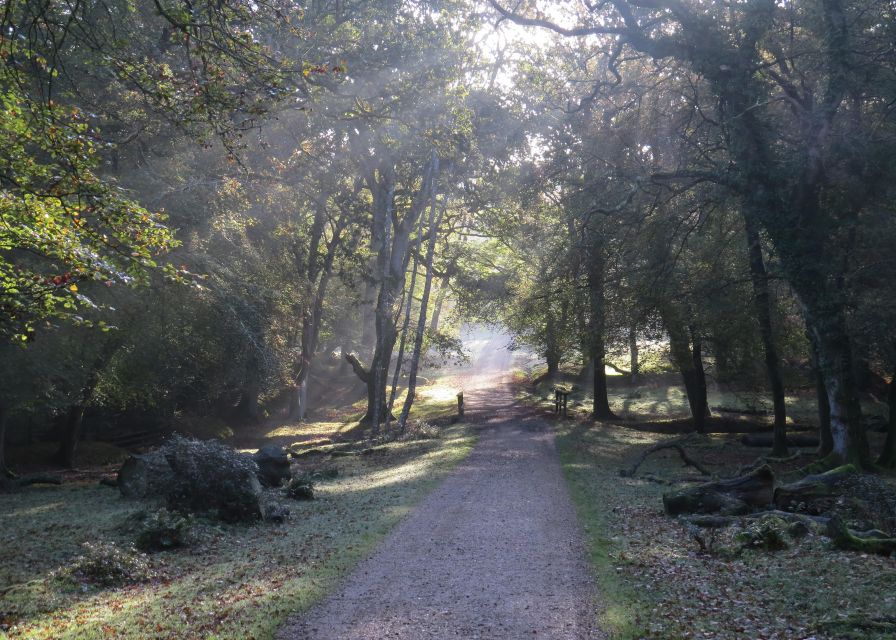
848, 540
725, 497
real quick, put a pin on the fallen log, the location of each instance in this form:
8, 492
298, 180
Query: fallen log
720, 522
725, 497
26, 481
765, 440
814, 492
688, 461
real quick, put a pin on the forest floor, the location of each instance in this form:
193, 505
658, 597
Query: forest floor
655, 580
233, 581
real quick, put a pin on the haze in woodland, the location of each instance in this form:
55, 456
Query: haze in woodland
447, 319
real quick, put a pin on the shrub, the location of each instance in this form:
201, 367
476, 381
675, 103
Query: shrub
301, 487
104, 564
163, 529
768, 532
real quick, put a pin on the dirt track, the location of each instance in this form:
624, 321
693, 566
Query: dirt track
494, 552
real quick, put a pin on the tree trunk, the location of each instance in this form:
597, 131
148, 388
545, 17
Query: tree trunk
633, 354
437, 310
424, 300
4, 420
826, 440
68, 445
849, 442
399, 361
888, 455
74, 421
552, 347
701, 406
762, 307
690, 365
391, 268
597, 330
311, 323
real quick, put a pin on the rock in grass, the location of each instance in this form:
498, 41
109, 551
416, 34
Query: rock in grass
194, 476
145, 476
273, 465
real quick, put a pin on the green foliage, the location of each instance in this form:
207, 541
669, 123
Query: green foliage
162, 530
63, 225
768, 532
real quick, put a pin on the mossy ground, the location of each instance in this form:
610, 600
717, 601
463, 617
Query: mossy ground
236, 581
656, 582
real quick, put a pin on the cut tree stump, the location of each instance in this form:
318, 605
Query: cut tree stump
726, 497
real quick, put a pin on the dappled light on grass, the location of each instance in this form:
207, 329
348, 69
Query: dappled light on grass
305, 430
416, 468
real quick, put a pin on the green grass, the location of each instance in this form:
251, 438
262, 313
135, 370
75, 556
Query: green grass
238, 581
620, 607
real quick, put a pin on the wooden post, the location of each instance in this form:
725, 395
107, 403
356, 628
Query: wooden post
561, 399
460, 404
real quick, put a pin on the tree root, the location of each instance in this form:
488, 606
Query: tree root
866, 542
688, 461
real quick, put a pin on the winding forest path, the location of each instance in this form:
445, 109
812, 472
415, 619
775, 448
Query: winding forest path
494, 552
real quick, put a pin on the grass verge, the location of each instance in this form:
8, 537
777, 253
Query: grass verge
236, 581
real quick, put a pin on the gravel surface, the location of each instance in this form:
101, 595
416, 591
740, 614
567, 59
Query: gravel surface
494, 552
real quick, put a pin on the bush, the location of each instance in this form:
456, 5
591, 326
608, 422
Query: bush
163, 529
766, 533
301, 487
104, 564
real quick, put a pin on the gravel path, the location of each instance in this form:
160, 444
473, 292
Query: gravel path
494, 552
